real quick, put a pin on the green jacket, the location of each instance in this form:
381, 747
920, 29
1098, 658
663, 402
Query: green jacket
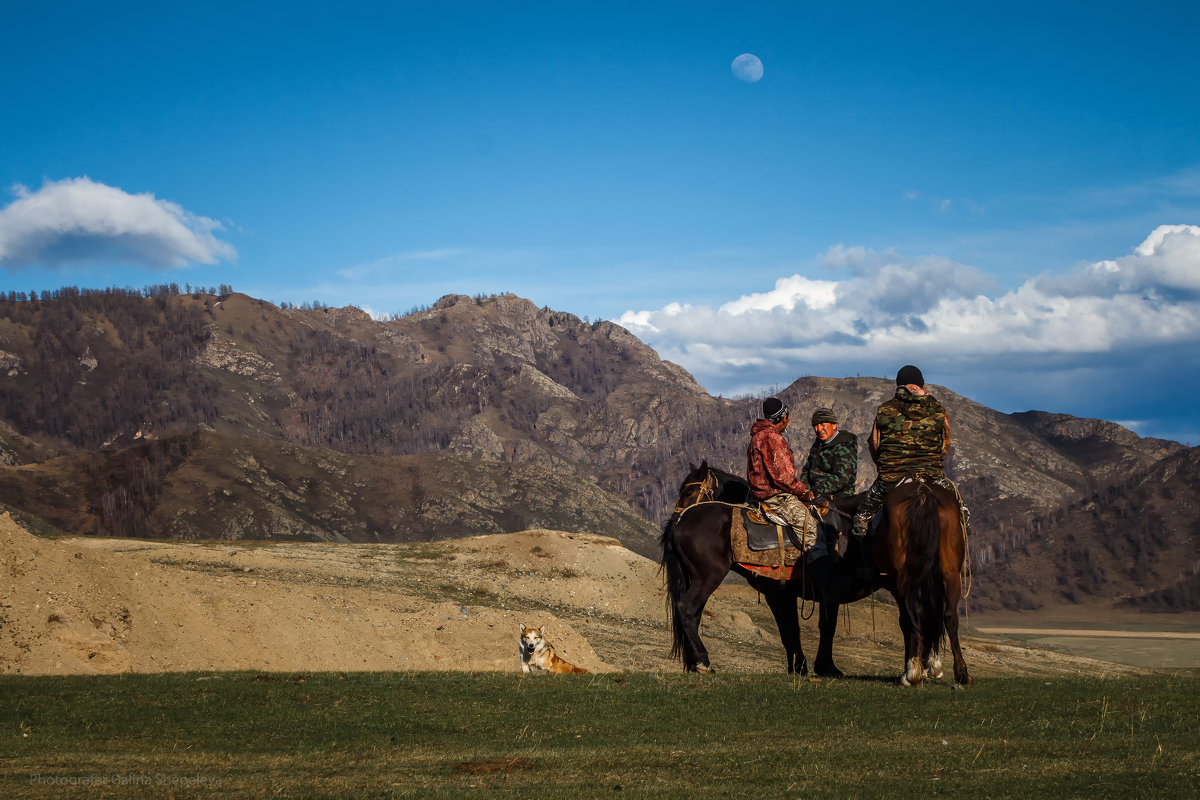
831, 469
913, 436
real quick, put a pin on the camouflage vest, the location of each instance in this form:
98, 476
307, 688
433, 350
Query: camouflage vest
911, 436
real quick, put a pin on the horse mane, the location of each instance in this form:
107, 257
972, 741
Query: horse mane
731, 488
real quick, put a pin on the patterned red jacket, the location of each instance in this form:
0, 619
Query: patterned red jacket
770, 465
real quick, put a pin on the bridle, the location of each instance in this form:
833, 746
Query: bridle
708, 490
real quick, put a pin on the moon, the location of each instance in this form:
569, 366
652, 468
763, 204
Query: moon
747, 67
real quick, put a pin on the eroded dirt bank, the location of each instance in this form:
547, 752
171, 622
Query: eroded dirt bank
104, 605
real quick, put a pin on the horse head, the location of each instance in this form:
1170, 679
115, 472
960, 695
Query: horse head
705, 483
699, 486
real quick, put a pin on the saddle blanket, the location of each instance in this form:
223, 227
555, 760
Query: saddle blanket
766, 545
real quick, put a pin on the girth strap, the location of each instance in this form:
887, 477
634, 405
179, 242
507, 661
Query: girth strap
782, 553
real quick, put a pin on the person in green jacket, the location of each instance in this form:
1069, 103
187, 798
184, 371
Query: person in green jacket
831, 468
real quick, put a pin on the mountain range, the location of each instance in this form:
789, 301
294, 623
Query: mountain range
208, 414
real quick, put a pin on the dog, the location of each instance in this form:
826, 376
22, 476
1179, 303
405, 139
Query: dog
537, 654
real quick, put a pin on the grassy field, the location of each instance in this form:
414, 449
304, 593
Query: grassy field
449, 734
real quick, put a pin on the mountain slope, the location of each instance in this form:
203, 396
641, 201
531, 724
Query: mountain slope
1135, 541
210, 486
495, 382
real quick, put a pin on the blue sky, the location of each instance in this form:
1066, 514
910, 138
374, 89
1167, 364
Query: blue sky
1007, 195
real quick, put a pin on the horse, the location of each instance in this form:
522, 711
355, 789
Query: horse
697, 555
919, 551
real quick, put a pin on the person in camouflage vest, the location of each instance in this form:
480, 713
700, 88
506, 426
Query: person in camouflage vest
911, 436
831, 469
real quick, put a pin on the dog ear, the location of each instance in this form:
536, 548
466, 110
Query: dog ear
522, 627
542, 630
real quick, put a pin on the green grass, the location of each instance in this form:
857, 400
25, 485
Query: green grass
636, 734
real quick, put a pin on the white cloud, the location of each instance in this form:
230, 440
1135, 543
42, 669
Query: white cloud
80, 221
890, 309
1169, 258
788, 293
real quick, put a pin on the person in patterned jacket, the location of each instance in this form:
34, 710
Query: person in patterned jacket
831, 469
771, 467
911, 436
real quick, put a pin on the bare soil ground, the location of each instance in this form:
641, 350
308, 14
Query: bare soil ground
85, 605
1158, 640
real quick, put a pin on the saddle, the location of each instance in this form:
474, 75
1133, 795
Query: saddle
767, 547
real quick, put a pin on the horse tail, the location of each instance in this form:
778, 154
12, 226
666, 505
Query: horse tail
678, 581
926, 595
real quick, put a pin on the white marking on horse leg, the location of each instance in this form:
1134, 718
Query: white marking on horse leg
913, 674
934, 668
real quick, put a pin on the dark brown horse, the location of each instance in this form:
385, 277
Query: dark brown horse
919, 551
696, 556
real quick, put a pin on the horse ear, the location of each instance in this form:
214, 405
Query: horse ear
691, 467
704, 464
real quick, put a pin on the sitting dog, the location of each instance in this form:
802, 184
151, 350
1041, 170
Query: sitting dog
537, 654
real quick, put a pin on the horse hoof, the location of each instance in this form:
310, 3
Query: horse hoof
704, 669
830, 672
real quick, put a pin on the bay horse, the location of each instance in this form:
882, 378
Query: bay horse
919, 551
697, 555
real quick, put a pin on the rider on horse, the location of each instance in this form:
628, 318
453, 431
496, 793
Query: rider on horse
911, 437
831, 468
771, 467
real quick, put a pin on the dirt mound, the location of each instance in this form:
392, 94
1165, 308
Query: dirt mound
86, 605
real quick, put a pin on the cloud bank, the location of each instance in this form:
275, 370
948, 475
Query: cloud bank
78, 221
1109, 329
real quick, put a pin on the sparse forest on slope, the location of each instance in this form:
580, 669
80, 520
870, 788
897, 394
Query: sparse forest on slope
210, 486
85, 368
1137, 540
488, 380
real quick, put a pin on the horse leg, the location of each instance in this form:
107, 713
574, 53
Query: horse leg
827, 625
912, 646
933, 665
783, 608
827, 588
688, 610
952, 551
953, 591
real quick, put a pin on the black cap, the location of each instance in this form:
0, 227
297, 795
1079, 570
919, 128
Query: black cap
910, 374
774, 410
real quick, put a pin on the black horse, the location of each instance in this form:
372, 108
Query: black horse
696, 555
